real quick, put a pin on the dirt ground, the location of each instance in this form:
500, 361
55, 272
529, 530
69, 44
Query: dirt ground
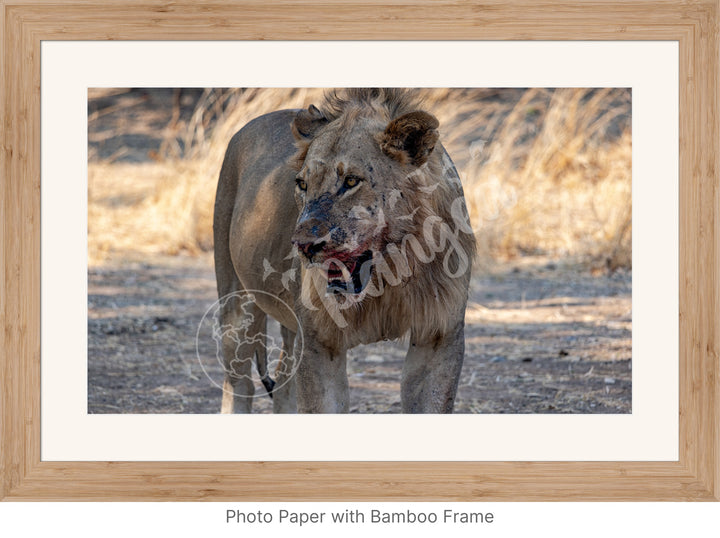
540, 338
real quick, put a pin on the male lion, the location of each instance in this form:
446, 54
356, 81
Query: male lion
353, 214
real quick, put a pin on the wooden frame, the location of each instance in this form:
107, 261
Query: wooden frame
694, 24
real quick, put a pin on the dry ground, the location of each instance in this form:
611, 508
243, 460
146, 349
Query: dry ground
540, 338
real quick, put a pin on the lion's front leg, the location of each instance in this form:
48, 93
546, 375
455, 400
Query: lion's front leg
431, 371
322, 382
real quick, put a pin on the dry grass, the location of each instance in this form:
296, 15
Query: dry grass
544, 171
564, 187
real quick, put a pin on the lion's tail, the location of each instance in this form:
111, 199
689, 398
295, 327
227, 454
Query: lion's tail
261, 363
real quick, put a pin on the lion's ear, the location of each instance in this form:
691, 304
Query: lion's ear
308, 122
410, 138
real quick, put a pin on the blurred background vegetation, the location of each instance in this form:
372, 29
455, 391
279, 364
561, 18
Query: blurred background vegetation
545, 171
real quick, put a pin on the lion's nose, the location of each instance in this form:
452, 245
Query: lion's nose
311, 248
311, 233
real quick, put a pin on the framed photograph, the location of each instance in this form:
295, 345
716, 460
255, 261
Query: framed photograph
92, 408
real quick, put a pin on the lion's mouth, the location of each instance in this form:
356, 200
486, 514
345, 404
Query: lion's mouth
348, 274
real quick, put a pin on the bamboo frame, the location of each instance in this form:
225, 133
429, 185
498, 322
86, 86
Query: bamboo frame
694, 24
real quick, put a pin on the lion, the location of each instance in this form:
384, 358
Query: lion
350, 218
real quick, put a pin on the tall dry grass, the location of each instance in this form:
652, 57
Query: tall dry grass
559, 184
544, 171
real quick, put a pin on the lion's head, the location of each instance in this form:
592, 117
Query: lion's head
362, 165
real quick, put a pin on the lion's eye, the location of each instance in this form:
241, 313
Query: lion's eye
351, 181
301, 184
